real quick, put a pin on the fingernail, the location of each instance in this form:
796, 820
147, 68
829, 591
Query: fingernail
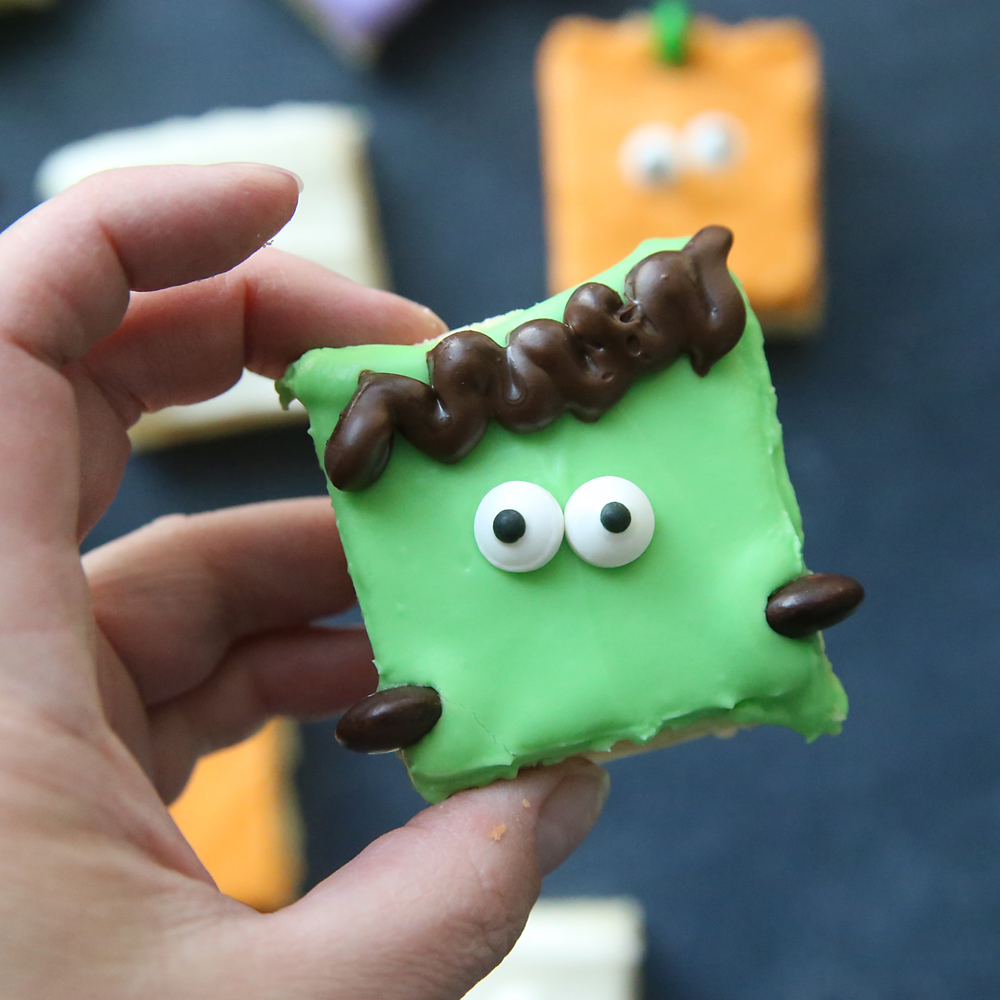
568, 815
298, 180
436, 325
270, 166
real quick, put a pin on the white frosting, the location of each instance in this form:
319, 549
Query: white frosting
573, 949
335, 224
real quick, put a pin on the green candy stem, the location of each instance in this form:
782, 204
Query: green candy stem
671, 23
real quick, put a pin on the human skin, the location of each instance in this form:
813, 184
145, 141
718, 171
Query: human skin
126, 294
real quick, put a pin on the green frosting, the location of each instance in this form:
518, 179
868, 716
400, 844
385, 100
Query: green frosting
571, 658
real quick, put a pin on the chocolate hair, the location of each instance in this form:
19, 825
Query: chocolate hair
676, 302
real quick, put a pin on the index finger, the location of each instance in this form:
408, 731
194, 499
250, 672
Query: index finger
68, 269
71, 262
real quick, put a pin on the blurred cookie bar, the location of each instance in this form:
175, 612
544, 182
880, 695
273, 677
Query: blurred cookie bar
645, 136
336, 223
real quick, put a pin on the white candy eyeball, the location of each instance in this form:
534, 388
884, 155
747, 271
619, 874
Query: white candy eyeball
609, 522
712, 141
518, 526
649, 156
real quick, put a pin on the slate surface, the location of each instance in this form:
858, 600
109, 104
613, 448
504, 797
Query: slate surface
866, 866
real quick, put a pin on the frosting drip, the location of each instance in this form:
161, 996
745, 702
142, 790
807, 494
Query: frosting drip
676, 302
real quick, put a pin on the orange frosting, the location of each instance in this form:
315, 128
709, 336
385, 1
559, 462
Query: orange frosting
238, 813
599, 80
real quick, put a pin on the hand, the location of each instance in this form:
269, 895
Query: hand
186, 635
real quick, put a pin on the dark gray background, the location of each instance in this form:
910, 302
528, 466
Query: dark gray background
866, 866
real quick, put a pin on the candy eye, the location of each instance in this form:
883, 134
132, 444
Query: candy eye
712, 141
648, 156
609, 522
518, 526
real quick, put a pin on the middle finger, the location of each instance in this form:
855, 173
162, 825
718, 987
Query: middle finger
174, 596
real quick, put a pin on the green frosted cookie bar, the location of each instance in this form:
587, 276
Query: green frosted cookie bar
614, 579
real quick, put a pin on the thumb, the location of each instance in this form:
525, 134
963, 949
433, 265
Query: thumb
428, 910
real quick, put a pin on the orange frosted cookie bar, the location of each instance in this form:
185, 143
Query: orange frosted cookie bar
635, 147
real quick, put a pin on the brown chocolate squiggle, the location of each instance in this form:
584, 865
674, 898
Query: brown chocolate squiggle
676, 301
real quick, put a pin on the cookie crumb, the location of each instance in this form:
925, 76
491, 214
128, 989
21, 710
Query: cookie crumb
496, 834
525, 803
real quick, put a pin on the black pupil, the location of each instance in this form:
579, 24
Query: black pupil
509, 526
616, 517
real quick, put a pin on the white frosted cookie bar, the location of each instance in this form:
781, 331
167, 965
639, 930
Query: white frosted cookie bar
572, 949
336, 223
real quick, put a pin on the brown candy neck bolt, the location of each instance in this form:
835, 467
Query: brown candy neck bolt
388, 720
676, 302
812, 603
